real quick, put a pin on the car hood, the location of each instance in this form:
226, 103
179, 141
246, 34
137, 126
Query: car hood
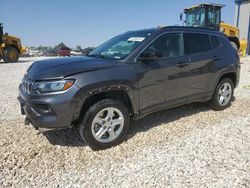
59, 68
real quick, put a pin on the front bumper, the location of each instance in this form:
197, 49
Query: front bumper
50, 110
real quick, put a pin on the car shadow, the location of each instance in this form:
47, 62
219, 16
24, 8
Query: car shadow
64, 137
70, 137
166, 116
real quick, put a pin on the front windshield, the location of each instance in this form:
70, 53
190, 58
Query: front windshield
120, 46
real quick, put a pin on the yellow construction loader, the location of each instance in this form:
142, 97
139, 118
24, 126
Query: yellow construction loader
10, 47
209, 16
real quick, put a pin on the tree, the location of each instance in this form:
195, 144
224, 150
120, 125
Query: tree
78, 47
43, 48
59, 46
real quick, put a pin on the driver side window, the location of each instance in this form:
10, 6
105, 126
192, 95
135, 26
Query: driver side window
168, 45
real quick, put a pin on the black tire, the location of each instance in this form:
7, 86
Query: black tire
10, 55
85, 127
214, 103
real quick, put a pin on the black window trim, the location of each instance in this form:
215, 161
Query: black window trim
182, 33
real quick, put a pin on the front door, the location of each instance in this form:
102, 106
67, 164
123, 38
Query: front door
163, 81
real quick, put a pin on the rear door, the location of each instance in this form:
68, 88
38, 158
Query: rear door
203, 59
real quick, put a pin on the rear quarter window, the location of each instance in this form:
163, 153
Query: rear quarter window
196, 43
215, 41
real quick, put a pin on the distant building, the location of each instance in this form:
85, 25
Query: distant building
242, 19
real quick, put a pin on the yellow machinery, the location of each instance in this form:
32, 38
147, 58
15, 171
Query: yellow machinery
232, 31
209, 16
243, 47
10, 47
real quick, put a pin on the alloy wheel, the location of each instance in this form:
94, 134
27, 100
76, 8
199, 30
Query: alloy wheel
224, 94
107, 125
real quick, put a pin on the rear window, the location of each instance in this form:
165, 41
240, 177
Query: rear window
196, 43
215, 41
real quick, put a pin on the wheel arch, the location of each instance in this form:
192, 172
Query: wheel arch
230, 75
120, 93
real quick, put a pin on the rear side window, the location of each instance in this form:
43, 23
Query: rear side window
196, 43
215, 41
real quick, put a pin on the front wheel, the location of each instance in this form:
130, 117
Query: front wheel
105, 124
223, 95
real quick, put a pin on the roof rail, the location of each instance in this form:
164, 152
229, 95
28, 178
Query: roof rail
186, 27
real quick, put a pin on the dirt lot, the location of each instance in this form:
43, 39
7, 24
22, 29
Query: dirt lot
189, 146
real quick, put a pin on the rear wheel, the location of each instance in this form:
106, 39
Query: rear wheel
105, 124
223, 95
10, 55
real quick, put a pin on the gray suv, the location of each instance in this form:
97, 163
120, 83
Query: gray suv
130, 76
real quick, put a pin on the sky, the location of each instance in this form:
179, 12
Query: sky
91, 22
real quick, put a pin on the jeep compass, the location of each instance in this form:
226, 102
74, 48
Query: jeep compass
130, 76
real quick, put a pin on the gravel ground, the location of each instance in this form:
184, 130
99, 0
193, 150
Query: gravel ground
188, 146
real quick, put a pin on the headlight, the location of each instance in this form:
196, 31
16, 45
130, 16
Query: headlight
52, 86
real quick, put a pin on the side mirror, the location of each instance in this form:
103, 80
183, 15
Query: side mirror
149, 55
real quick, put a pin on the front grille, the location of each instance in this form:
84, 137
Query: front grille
27, 85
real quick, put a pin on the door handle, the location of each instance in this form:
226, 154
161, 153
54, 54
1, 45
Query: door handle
181, 64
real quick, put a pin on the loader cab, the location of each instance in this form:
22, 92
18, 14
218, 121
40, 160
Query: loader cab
204, 15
